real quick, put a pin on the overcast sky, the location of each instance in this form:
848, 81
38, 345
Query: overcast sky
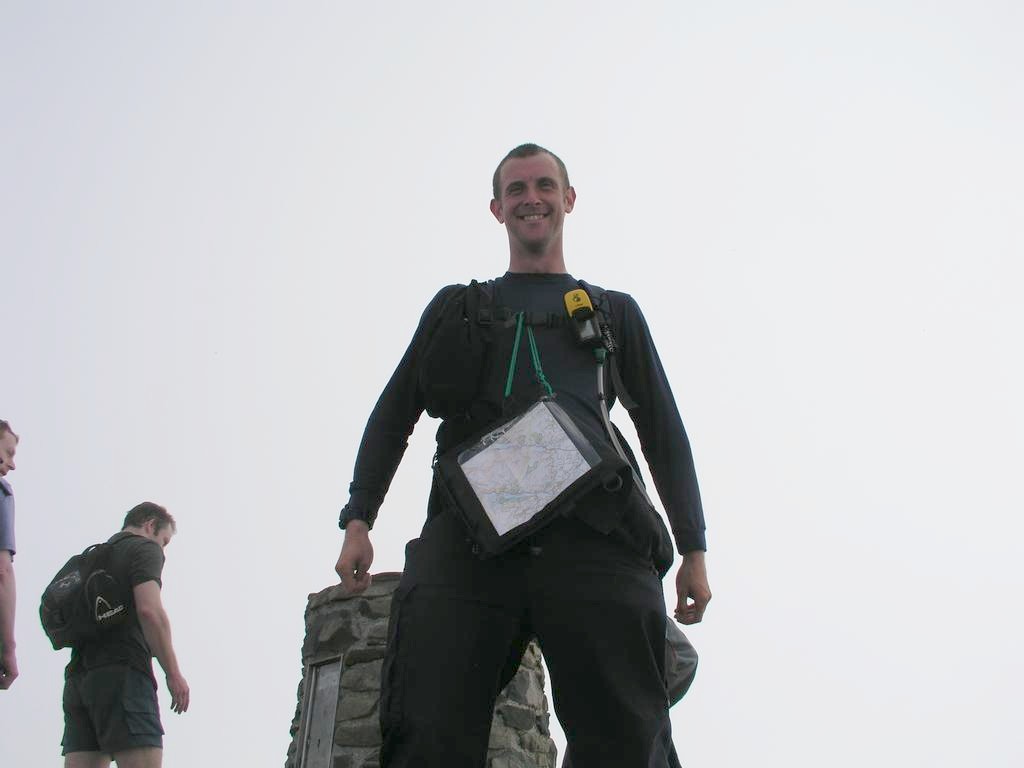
219, 223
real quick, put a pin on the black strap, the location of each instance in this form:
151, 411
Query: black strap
608, 336
480, 302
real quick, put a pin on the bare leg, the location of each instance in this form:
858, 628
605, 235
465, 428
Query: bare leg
143, 757
86, 760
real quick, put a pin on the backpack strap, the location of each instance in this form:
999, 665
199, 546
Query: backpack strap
480, 304
604, 320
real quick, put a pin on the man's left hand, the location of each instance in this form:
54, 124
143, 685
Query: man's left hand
8, 666
692, 583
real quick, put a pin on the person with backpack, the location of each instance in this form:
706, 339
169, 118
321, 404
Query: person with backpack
538, 524
8, 587
110, 704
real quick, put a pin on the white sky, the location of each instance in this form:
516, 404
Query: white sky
219, 223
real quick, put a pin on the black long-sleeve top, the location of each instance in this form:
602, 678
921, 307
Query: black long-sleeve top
570, 369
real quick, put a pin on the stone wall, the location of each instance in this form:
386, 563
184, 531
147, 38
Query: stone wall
346, 638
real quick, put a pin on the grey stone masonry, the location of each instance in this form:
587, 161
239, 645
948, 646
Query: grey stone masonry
346, 637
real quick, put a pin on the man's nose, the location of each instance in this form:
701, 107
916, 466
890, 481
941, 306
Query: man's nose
533, 195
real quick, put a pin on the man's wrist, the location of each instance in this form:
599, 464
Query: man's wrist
353, 513
356, 527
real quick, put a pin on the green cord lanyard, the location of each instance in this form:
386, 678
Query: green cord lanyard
534, 356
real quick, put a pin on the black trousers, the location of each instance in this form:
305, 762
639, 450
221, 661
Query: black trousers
459, 625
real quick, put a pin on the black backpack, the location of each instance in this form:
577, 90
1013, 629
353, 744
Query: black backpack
452, 359
84, 599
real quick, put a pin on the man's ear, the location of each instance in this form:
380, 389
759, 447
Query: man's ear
570, 199
497, 212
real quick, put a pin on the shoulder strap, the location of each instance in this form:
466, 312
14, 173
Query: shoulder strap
480, 302
604, 320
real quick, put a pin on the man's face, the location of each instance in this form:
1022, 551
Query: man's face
8, 446
533, 201
161, 536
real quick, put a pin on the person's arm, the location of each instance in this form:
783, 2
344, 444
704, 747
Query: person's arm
380, 452
390, 425
156, 627
666, 449
8, 598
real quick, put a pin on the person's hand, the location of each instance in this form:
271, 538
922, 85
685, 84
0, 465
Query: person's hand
692, 583
356, 558
8, 667
179, 692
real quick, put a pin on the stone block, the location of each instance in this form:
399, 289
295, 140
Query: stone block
362, 655
537, 743
377, 632
526, 688
331, 594
510, 759
517, 716
531, 656
357, 757
502, 737
364, 733
376, 608
544, 721
362, 677
336, 635
357, 704
383, 584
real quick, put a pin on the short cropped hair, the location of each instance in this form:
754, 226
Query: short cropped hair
526, 150
5, 427
142, 513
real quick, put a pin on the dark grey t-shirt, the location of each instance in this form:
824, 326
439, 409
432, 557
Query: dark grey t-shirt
135, 560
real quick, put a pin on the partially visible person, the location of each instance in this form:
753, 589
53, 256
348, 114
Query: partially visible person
8, 592
110, 704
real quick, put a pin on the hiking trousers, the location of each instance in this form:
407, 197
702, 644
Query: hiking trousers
459, 625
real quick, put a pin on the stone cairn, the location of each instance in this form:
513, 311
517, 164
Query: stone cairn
354, 630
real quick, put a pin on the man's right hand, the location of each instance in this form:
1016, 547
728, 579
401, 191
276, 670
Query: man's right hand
179, 693
356, 558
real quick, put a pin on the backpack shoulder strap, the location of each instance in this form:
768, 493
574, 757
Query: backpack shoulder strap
602, 308
482, 304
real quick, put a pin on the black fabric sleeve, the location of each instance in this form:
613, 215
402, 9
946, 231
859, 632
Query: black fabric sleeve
663, 439
145, 561
391, 422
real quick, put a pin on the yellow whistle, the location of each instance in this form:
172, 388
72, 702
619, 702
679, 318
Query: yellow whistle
578, 302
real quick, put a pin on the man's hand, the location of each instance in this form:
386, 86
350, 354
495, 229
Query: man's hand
356, 558
692, 582
8, 667
179, 692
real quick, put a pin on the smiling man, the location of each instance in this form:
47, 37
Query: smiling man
582, 575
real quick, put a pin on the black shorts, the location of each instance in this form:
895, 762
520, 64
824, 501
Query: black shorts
110, 709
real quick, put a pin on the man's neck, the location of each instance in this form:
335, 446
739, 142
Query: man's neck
547, 262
